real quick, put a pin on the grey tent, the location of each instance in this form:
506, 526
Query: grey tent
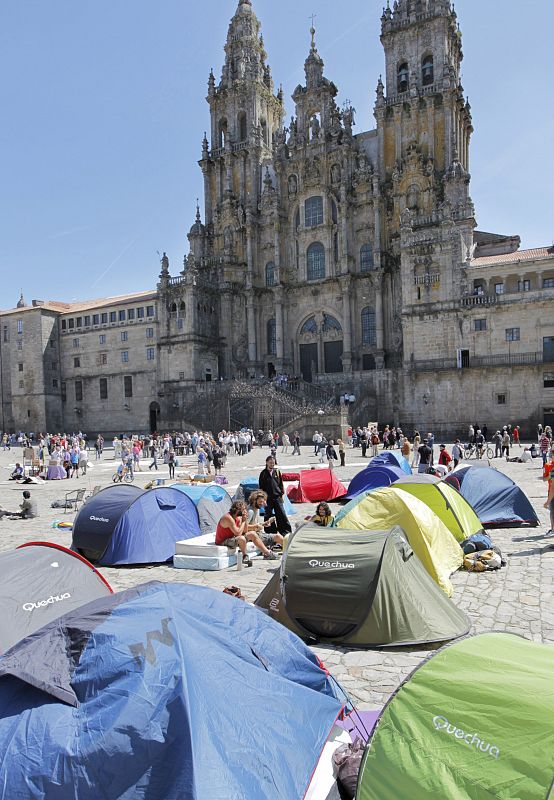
359, 588
40, 582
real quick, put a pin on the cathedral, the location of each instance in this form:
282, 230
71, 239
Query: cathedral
348, 260
309, 250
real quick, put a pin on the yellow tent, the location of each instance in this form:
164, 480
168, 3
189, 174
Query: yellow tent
448, 504
430, 539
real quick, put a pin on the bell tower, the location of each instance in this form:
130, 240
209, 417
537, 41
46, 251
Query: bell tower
245, 113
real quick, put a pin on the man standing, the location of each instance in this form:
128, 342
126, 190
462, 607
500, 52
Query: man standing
296, 439
271, 482
316, 439
425, 456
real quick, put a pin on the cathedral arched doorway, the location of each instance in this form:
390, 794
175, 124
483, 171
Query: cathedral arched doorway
320, 346
154, 416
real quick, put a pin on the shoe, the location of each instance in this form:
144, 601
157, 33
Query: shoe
246, 562
271, 557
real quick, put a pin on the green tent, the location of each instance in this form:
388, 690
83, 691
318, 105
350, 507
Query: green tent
448, 504
474, 722
434, 545
359, 588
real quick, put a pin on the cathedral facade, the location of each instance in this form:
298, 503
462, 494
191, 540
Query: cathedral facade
317, 239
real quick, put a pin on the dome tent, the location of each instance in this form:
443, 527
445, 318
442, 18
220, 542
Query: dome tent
211, 501
249, 485
316, 486
163, 691
432, 542
359, 589
39, 582
374, 476
495, 498
444, 736
393, 457
456, 513
125, 525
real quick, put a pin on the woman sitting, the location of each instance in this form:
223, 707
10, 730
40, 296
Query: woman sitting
323, 516
232, 531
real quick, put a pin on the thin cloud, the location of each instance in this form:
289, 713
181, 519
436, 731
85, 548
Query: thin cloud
114, 262
68, 232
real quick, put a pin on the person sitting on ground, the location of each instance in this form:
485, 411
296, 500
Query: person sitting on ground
323, 516
232, 531
17, 474
27, 509
256, 502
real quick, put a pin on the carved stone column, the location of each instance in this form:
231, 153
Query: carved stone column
377, 210
347, 325
279, 328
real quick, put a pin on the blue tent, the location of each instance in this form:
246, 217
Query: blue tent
166, 691
211, 501
374, 476
125, 525
249, 485
394, 458
495, 498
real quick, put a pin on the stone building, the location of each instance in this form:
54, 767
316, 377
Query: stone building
348, 258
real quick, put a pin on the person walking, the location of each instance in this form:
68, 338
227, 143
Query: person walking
342, 452
271, 482
457, 453
506, 441
296, 448
171, 464
285, 441
417, 445
544, 447
331, 454
425, 456
153, 456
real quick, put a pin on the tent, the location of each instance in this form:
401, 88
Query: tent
125, 525
249, 485
393, 457
166, 691
456, 513
316, 486
473, 722
495, 498
374, 476
211, 501
434, 545
39, 582
359, 588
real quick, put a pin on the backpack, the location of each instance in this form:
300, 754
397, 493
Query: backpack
374, 439
479, 541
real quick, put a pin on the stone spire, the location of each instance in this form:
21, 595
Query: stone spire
244, 51
21, 302
313, 65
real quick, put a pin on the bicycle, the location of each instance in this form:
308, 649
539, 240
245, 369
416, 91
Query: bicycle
123, 475
471, 451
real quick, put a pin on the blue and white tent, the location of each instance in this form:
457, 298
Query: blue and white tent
394, 458
211, 501
375, 476
164, 691
495, 498
125, 525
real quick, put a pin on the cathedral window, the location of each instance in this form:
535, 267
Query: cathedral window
316, 262
366, 258
270, 274
369, 330
222, 132
331, 324
403, 77
271, 338
427, 71
310, 326
241, 125
313, 208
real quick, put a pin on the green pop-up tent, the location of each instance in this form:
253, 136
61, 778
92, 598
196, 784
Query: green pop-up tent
448, 504
474, 722
359, 588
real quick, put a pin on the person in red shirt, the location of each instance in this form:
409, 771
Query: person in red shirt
444, 457
232, 531
547, 476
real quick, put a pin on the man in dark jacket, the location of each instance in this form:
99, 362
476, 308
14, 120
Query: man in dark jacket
425, 456
271, 482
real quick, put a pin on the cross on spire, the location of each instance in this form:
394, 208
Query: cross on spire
312, 29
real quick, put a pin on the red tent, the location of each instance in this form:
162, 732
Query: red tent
316, 486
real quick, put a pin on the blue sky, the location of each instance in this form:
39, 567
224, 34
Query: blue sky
104, 111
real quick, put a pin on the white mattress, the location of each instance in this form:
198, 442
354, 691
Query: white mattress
208, 563
205, 546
